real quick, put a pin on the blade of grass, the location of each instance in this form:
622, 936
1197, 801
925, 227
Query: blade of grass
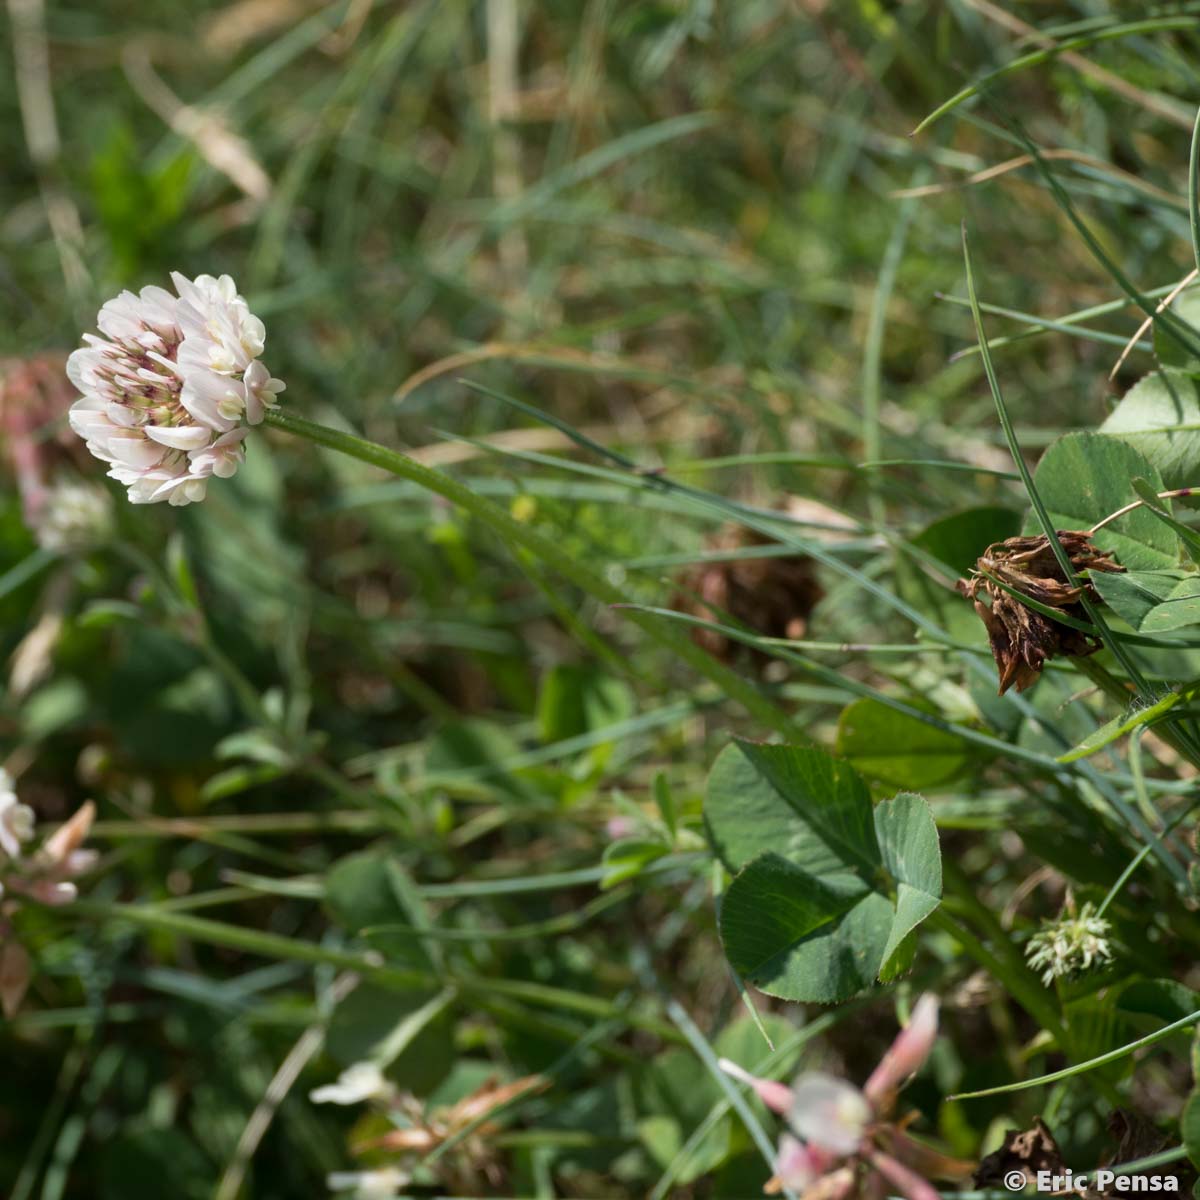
1194, 189
517, 534
737, 1101
1035, 498
1090, 1065
1177, 330
1034, 57
872, 369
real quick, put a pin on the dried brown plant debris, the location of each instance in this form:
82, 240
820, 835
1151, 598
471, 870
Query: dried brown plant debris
1022, 638
773, 596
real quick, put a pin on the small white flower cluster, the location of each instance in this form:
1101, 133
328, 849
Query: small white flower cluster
170, 386
1068, 947
46, 874
72, 517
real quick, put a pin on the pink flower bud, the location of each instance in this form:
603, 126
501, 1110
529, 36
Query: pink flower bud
69, 836
905, 1056
776, 1096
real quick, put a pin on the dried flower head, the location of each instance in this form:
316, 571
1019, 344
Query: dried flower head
169, 389
771, 594
1071, 945
1022, 638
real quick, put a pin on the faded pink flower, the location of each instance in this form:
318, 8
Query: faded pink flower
841, 1144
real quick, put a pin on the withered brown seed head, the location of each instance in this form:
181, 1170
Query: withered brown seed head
1022, 639
772, 596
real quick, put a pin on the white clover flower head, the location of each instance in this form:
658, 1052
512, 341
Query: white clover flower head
168, 390
72, 517
358, 1082
1071, 945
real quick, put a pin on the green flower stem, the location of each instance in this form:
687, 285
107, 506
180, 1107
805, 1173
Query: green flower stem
372, 966
258, 824
518, 535
1116, 691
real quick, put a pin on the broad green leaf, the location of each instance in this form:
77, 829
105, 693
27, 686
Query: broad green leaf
899, 960
662, 1138
894, 748
746, 814
677, 1092
960, 538
909, 840
1085, 477
793, 938
1160, 417
1118, 727
1187, 535
828, 797
1151, 601
1167, 350
834, 887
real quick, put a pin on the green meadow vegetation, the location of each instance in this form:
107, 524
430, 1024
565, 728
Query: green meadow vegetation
718, 598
